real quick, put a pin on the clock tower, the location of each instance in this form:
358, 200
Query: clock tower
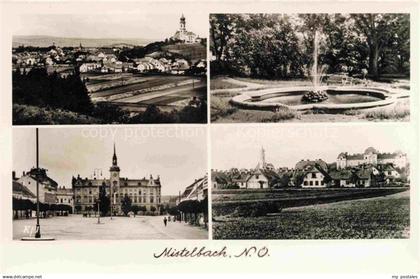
114, 182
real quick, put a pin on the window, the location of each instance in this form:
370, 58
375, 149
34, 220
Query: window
316, 183
313, 175
257, 176
322, 182
311, 183
151, 199
305, 183
139, 192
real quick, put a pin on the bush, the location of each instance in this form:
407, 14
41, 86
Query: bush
281, 115
110, 113
399, 112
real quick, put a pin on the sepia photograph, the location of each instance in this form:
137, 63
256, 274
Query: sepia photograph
104, 69
109, 183
290, 184
309, 67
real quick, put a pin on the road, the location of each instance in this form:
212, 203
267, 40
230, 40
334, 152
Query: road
76, 227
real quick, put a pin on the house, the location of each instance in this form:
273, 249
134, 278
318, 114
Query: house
219, 180
194, 197
257, 180
65, 196
47, 186
389, 173
22, 193
196, 191
179, 67
89, 67
314, 177
341, 178
241, 180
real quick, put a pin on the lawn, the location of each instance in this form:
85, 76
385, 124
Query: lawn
223, 112
223, 83
374, 218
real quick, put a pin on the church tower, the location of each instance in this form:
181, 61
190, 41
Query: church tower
114, 181
261, 162
262, 158
182, 27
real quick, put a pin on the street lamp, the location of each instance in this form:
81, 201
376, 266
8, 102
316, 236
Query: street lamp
99, 213
38, 227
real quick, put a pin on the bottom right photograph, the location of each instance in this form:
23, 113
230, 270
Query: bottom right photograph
311, 182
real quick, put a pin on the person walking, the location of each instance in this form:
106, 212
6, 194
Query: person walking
165, 221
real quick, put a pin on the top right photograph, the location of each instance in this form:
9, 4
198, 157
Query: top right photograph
309, 67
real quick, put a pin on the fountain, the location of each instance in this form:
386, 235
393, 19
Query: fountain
315, 95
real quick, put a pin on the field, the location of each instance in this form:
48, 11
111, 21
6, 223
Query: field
224, 88
133, 92
191, 52
376, 217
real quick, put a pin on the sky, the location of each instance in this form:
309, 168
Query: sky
151, 25
285, 145
178, 155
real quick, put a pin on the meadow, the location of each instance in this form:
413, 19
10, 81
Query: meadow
372, 218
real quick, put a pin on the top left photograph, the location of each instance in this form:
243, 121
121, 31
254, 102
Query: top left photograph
109, 69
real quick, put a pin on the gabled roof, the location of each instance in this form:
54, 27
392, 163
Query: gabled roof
303, 164
364, 173
340, 174
42, 177
18, 187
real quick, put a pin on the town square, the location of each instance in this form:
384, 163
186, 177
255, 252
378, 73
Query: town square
57, 203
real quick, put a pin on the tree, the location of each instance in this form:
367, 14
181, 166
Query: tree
104, 202
298, 178
221, 31
135, 209
126, 204
110, 113
379, 30
153, 209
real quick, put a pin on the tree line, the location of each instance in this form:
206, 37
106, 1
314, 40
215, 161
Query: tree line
281, 46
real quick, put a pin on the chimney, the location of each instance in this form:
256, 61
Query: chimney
13, 175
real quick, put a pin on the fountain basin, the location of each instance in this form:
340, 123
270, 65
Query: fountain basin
340, 98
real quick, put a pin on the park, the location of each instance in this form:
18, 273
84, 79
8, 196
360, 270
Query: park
310, 67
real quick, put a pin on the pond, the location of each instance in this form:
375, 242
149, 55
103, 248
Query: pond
294, 99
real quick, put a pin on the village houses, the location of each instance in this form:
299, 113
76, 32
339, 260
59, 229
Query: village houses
371, 169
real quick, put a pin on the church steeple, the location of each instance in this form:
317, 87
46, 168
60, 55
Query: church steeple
114, 158
114, 166
182, 24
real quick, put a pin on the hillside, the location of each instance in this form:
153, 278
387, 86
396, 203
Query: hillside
192, 52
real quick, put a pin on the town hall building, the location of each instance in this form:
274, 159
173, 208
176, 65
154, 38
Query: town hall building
145, 192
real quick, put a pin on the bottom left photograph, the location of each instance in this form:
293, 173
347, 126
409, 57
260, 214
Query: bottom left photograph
110, 183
